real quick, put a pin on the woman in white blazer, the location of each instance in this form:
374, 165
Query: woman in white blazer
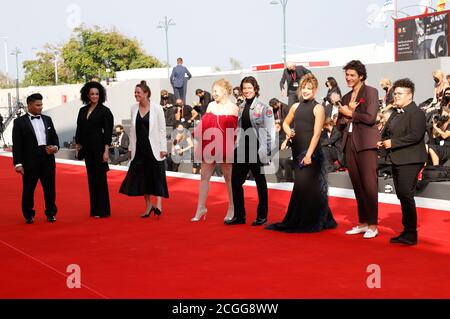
148, 149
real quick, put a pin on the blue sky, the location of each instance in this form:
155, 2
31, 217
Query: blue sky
207, 32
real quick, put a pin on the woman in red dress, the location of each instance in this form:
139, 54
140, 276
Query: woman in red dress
216, 138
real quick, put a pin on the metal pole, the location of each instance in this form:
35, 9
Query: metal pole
284, 4
17, 77
16, 52
56, 68
167, 46
6, 61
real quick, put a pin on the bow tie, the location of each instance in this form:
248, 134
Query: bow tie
38, 117
399, 110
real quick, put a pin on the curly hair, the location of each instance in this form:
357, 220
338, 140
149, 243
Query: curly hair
309, 79
357, 66
87, 88
404, 83
225, 85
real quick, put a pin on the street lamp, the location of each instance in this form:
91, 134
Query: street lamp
16, 52
283, 5
56, 66
166, 24
6, 58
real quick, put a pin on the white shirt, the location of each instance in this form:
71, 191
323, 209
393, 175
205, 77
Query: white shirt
335, 110
39, 129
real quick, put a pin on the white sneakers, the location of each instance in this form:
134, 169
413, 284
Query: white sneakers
371, 233
357, 230
368, 233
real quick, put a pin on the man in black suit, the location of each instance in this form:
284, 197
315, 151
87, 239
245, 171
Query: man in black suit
330, 142
403, 140
118, 152
292, 75
34, 144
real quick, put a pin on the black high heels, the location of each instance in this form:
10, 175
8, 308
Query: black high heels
155, 210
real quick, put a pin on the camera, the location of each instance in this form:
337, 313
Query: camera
440, 119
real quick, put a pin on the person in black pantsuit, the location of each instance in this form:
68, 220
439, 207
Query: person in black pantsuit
93, 137
34, 144
403, 140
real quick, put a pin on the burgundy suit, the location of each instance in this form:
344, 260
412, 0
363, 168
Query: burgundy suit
360, 147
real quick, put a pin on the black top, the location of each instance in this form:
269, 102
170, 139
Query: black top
143, 147
248, 134
95, 132
304, 120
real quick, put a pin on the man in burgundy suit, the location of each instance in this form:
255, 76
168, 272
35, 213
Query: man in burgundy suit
356, 120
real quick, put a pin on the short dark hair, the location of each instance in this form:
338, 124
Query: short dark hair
34, 97
253, 82
119, 126
404, 83
198, 91
274, 102
93, 85
357, 66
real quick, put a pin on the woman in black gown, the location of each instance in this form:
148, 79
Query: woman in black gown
148, 150
308, 209
93, 138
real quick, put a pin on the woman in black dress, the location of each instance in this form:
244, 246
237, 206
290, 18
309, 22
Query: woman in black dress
308, 209
148, 150
93, 138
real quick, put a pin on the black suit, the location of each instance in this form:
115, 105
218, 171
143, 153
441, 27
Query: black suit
93, 134
37, 164
331, 147
406, 131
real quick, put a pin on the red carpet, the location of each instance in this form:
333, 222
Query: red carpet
127, 257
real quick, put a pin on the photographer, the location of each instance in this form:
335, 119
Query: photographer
181, 144
439, 148
118, 152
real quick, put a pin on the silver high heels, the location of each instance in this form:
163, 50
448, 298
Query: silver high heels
199, 215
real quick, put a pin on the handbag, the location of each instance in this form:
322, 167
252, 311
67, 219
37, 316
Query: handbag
299, 160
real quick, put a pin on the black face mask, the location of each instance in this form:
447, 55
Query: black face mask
385, 88
436, 80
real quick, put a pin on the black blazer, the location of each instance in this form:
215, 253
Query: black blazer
333, 140
25, 145
96, 132
406, 132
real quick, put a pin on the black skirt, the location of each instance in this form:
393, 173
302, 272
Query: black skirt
146, 176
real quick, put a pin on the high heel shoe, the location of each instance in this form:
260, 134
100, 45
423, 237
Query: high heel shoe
147, 215
155, 210
230, 214
199, 215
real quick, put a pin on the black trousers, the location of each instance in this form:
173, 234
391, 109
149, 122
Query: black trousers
43, 171
98, 184
362, 168
292, 98
238, 177
405, 181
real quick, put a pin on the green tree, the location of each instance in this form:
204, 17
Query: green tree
88, 54
42, 70
91, 51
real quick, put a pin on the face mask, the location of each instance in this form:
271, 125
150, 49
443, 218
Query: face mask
385, 88
436, 80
